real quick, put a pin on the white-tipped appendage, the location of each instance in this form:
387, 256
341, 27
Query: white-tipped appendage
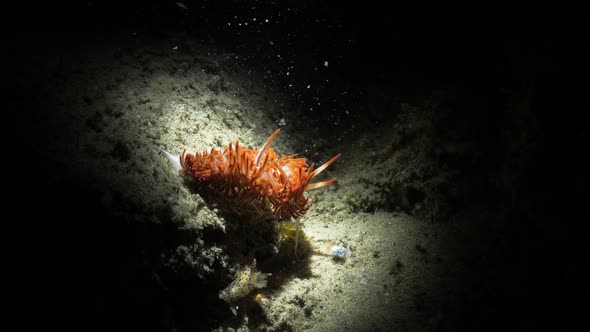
174, 160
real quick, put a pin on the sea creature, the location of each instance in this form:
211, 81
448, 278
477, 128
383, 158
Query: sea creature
253, 181
247, 280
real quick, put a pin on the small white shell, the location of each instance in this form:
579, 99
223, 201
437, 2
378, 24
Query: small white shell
338, 251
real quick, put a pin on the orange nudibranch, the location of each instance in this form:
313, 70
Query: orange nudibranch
253, 180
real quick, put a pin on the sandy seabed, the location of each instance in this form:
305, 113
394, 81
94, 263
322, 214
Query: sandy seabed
405, 268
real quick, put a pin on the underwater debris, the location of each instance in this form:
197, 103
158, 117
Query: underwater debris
338, 251
246, 280
293, 236
261, 298
335, 250
181, 5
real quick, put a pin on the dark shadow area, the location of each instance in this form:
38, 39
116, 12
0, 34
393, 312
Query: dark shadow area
81, 268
